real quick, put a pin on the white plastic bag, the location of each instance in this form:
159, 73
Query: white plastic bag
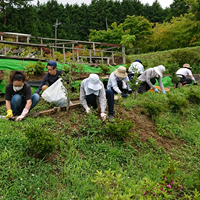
56, 94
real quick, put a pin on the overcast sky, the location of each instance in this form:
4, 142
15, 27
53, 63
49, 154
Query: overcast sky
163, 3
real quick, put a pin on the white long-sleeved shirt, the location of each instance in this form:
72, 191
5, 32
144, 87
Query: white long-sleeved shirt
112, 83
136, 67
101, 98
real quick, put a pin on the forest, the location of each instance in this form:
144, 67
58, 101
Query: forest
141, 28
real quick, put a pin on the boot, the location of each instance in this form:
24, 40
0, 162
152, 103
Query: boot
111, 117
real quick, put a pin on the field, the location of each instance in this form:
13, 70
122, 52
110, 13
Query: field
151, 151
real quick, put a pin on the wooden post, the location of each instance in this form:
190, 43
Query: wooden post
113, 59
16, 38
53, 53
123, 55
38, 52
73, 56
63, 53
4, 49
1, 37
90, 56
29, 51
77, 56
41, 52
28, 39
94, 48
108, 61
102, 57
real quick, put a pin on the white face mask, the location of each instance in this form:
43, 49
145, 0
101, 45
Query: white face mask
16, 89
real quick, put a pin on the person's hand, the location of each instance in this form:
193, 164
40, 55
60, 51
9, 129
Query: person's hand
195, 84
164, 92
87, 110
24, 113
103, 116
130, 92
9, 113
156, 90
123, 95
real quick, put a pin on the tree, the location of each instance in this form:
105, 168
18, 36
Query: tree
6, 4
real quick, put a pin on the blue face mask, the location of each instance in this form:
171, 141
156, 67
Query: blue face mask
16, 89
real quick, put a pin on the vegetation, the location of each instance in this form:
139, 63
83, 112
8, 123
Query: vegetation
90, 160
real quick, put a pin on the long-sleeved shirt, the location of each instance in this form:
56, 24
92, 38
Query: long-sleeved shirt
184, 72
136, 67
101, 98
147, 75
112, 82
50, 79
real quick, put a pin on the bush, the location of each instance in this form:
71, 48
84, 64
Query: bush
183, 56
105, 69
194, 95
39, 68
40, 141
177, 102
120, 128
30, 69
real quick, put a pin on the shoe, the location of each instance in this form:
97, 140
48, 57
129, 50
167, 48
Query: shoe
111, 117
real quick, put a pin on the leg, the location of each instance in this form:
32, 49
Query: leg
91, 100
35, 99
110, 99
16, 104
185, 81
142, 88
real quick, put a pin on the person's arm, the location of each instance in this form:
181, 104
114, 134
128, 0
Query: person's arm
127, 80
102, 99
148, 77
161, 84
43, 83
8, 105
83, 96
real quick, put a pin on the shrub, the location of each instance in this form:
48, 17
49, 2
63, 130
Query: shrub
120, 128
40, 141
30, 69
194, 95
39, 68
183, 56
177, 102
105, 69
171, 69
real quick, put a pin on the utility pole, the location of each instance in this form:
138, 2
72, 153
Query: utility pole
56, 26
106, 24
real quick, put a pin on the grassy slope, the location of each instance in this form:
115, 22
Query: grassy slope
131, 167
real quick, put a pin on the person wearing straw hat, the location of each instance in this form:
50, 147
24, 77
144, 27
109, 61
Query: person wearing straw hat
92, 93
183, 72
118, 82
136, 67
149, 77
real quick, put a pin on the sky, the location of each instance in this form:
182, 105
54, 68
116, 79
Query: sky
163, 3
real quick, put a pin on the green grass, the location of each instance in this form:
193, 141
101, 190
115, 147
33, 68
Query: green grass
90, 163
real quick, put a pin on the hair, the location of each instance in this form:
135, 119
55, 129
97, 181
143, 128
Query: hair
51, 66
17, 76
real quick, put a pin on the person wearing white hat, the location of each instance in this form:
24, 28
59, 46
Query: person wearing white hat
136, 67
149, 77
118, 82
92, 93
183, 72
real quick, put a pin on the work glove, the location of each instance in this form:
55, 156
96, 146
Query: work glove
129, 92
9, 113
164, 92
87, 110
156, 90
123, 95
103, 116
24, 113
195, 84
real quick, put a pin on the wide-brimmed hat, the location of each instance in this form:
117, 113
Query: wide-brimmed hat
120, 72
187, 66
159, 70
93, 82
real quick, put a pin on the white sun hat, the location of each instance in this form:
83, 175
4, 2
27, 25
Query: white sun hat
121, 72
93, 82
159, 70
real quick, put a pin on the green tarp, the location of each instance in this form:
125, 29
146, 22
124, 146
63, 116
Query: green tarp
166, 81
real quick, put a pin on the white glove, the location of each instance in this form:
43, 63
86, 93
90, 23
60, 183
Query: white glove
87, 110
103, 116
194, 80
24, 112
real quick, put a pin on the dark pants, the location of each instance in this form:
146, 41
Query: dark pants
184, 80
91, 100
145, 87
119, 84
